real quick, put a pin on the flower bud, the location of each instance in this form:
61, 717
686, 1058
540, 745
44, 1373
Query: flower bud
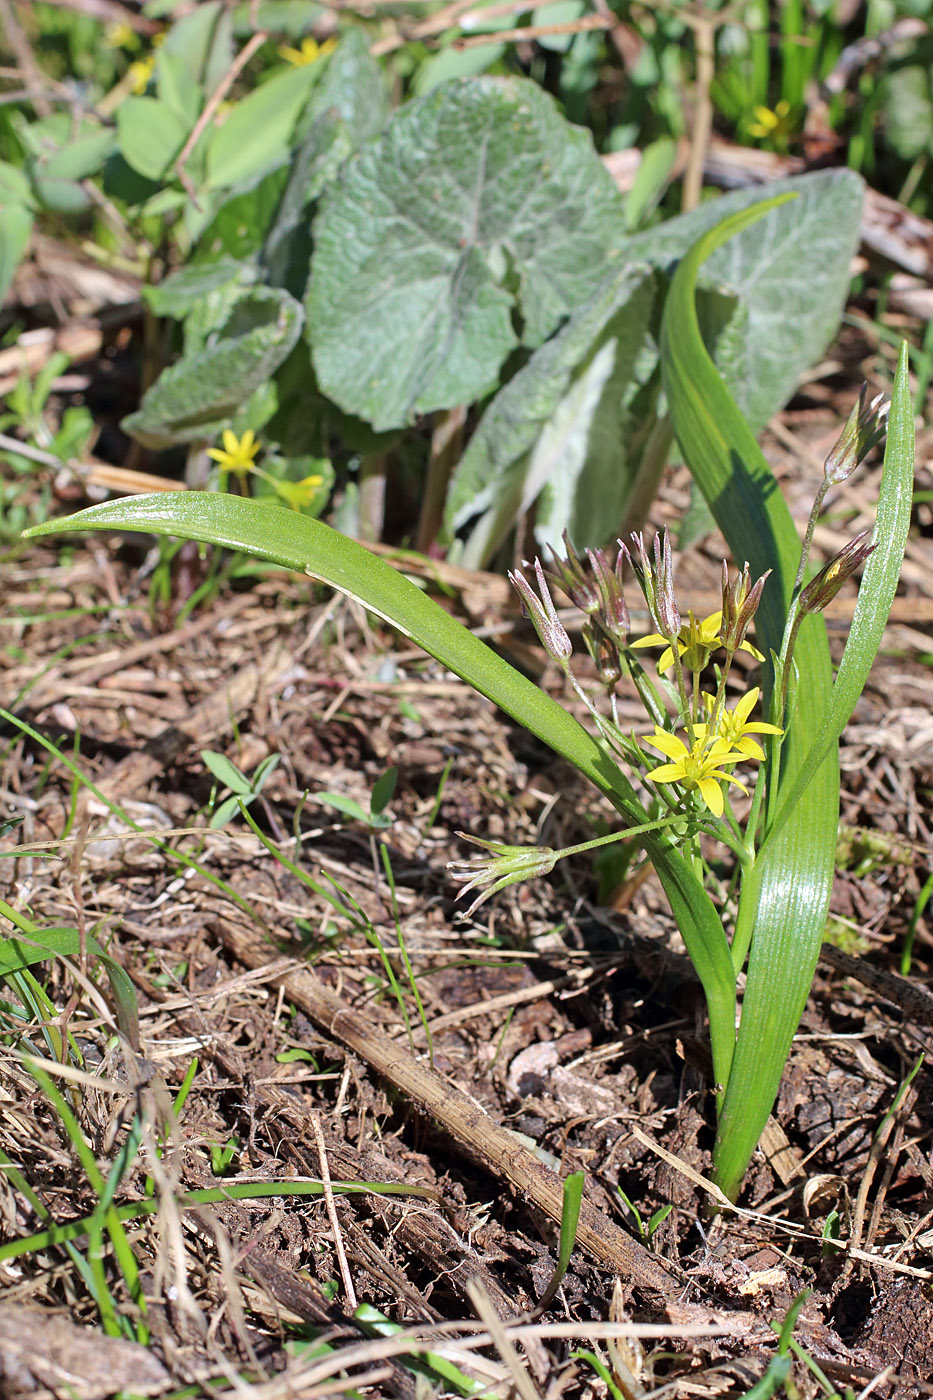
865, 426
656, 581
613, 614
823, 588
505, 865
739, 604
570, 575
551, 631
668, 613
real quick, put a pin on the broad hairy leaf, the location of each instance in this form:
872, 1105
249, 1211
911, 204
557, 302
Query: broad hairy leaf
298, 542
786, 894
558, 424
478, 205
201, 392
353, 88
789, 273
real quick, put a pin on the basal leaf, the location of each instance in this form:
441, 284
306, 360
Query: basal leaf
478, 207
201, 392
557, 424
353, 88
789, 273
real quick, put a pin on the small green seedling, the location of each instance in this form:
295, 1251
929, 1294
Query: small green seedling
242, 789
376, 819
644, 1229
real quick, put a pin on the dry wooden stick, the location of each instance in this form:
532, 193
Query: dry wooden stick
539, 31
210, 107
496, 1148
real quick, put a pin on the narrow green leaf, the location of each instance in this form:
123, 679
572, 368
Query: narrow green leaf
786, 894
226, 772
298, 542
569, 1217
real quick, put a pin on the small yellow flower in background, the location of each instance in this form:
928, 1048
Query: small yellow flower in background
698, 768
309, 52
298, 494
120, 36
139, 73
237, 454
696, 643
772, 126
734, 726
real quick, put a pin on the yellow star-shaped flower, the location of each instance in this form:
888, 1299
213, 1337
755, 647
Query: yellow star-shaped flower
734, 725
237, 454
299, 494
696, 642
696, 769
309, 52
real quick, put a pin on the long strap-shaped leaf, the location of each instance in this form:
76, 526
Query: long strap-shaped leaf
298, 542
787, 892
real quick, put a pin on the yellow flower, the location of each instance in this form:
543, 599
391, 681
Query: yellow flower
309, 52
734, 726
139, 73
119, 35
773, 126
696, 642
298, 493
237, 454
697, 769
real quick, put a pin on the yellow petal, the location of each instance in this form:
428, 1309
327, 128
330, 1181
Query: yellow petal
668, 744
711, 793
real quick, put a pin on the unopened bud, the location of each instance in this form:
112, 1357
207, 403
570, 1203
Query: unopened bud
865, 426
740, 601
668, 613
504, 865
613, 613
551, 631
570, 575
823, 588
656, 581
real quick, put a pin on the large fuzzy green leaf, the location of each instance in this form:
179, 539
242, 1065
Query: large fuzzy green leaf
201, 392
479, 207
557, 427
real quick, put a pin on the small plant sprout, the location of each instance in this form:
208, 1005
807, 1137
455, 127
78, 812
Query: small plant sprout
671, 790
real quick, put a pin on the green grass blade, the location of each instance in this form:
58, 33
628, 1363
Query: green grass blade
787, 892
569, 1218
284, 537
